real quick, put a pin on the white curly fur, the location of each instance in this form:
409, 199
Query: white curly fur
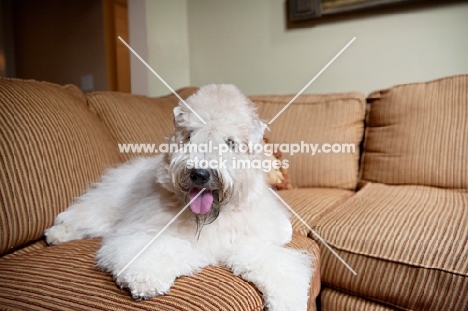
133, 202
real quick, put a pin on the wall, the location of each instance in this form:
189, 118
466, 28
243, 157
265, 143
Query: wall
167, 44
139, 74
60, 41
246, 43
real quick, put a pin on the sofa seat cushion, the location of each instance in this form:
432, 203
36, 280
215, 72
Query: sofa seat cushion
64, 277
134, 119
334, 119
408, 245
332, 300
418, 134
311, 204
51, 148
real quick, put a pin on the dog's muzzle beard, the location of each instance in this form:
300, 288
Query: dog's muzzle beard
206, 207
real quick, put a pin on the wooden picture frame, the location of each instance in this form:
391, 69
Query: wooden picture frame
306, 10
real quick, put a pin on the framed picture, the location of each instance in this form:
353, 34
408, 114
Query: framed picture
302, 10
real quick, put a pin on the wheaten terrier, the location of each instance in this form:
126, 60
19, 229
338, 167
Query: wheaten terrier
233, 220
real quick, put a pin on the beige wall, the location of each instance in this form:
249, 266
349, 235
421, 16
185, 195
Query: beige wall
138, 40
196, 42
60, 41
245, 42
168, 49
159, 33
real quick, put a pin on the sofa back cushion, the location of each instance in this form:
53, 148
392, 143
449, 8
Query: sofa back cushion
51, 148
133, 119
332, 122
418, 134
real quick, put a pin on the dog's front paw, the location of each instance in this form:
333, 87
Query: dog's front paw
143, 286
59, 234
287, 300
288, 292
144, 289
283, 277
283, 303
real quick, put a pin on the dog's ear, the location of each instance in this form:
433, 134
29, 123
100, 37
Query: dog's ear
258, 130
178, 115
177, 111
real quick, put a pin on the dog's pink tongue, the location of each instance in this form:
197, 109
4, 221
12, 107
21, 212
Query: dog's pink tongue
202, 204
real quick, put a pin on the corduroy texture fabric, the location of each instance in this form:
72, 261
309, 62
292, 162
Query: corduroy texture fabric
332, 300
408, 245
136, 119
318, 119
51, 148
418, 134
301, 242
64, 277
311, 204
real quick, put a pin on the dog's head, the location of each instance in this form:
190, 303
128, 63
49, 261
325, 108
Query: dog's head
213, 132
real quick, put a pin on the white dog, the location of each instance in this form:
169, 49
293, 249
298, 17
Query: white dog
233, 219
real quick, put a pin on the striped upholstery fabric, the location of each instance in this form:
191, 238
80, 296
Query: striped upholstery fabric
418, 134
64, 278
311, 204
318, 119
137, 119
30, 248
51, 148
408, 245
301, 242
332, 300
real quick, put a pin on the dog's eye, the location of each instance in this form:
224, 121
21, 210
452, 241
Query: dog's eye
230, 143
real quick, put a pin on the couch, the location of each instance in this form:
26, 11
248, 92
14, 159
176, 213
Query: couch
395, 207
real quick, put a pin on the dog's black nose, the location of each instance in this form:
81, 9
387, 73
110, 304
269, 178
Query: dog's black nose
199, 176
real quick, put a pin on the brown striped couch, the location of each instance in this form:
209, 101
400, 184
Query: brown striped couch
396, 209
